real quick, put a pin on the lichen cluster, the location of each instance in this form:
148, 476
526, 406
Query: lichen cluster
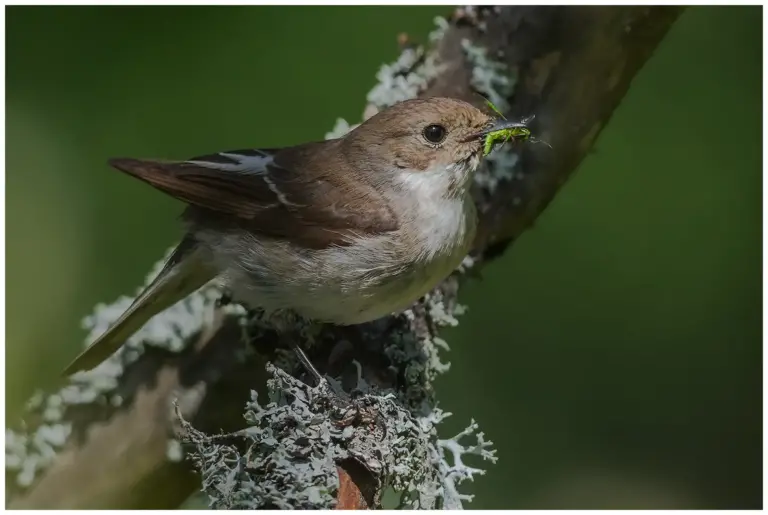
294, 443
287, 457
48, 418
496, 82
403, 79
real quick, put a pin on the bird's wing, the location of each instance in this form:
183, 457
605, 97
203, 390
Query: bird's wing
285, 195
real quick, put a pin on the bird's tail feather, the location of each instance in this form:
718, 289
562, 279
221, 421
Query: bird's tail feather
184, 273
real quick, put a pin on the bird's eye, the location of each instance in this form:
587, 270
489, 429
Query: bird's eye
434, 133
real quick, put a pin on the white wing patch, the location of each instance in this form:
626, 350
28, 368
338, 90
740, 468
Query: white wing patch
251, 164
255, 162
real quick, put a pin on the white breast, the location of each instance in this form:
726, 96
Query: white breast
439, 222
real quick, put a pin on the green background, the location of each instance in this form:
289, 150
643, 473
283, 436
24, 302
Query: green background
614, 353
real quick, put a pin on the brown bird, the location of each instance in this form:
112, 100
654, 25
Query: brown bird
342, 231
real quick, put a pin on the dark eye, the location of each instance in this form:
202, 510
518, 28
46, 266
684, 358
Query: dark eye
434, 133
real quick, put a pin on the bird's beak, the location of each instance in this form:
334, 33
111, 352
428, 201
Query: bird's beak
500, 124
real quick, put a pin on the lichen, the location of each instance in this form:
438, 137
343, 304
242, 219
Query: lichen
489, 76
441, 27
499, 166
293, 444
409, 75
454, 474
28, 454
340, 129
172, 330
494, 80
287, 455
174, 451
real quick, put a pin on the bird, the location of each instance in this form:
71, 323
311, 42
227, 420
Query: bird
341, 231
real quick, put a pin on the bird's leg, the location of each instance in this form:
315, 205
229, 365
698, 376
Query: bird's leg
305, 360
291, 329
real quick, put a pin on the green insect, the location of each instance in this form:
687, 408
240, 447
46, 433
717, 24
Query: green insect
504, 131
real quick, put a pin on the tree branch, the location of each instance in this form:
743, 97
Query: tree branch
351, 496
571, 66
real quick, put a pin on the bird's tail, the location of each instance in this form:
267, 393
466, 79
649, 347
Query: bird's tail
184, 273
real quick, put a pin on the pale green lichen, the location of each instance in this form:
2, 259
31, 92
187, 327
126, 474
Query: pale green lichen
294, 443
456, 473
494, 80
489, 76
441, 28
499, 166
172, 330
291, 447
400, 80
27, 454
174, 451
410, 74
341, 128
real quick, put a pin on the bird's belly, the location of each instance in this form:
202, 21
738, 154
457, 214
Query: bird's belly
392, 294
343, 286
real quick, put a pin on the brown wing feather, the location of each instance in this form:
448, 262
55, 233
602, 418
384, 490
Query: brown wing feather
235, 195
282, 194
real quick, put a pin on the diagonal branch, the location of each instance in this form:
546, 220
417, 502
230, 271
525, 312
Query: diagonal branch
571, 66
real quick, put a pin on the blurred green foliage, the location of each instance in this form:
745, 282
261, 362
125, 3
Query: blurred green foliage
613, 355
